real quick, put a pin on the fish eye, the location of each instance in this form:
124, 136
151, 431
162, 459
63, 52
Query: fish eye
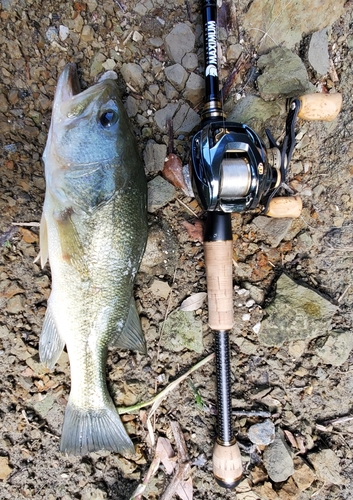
108, 118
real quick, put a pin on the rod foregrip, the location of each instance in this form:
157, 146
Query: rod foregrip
320, 106
218, 248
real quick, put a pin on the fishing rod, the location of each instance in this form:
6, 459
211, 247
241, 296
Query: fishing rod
234, 172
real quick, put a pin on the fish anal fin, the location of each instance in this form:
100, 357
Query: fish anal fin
132, 336
50, 343
90, 430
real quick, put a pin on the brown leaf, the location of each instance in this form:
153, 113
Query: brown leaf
173, 172
195, 231
165, 452
28, 236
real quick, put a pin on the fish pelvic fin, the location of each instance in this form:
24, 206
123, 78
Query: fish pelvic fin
132, 336
50, 343
92, 430
43, 241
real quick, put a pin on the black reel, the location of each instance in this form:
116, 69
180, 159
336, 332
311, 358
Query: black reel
232, 169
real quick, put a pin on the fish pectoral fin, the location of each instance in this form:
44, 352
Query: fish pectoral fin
132, 336
87, 430
50, 343
43, 243
71, 246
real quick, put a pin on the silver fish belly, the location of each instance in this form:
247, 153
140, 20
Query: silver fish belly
93, 231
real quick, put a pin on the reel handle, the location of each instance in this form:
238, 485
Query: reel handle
285, 206
320, 106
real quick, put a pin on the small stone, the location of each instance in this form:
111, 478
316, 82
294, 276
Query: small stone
78, 23
162, 115
87, 34
263, 433
42, 407
272, 230
318, 52
133, 74
96, 64
182, 331
137, 37
131, 106
161, 254
185, 120
176, 75
16, 304
63, 32
327, 466
109, 64
233, 52
5, 469
194, 89
160, 192
179, 41
52, 34
154, 156
278, 460
190, 61
160, 289
170, 92
336, 349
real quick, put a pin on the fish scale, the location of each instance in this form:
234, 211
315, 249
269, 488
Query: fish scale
94, 232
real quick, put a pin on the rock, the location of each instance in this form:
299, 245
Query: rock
170, 91
176, 75
63, 32
96, 64
154, 156
87, 34
327, 466
283, 74
194, 89
185, 120
272, 230
179, 41
190, 61
5, 469
16, 304
254, 111
133, 74
269, 24
318, 52
256, 293
336, 348
297, 313
182, 331
263, 433
303, 475
162, 115
91, 493
160, 289
51, 35
233, 52
278, 460
42, 407
161, 254
131, 106
160, 192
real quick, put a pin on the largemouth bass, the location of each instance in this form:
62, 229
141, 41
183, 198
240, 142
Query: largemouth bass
94, 231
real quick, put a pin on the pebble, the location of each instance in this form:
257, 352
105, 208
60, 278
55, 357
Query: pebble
278, 460
87, 34
336, 349
133, 74
154, 156
63, 32
283, 74
182, 331
185, 120
272, 230
16, 304
160, 289
162, 115
318, 55
179, 41
263, 433
190, 61
176, 75
52, 34
194, 89
131, 106
161, 254
296, 313
255, 292
160, 192
327, 467
233, 52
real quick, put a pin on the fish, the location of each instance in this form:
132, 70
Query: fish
93, 231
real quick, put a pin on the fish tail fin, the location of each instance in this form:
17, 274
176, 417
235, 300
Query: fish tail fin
92, 430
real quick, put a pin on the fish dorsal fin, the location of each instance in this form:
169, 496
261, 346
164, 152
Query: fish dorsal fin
132, 336
50, 342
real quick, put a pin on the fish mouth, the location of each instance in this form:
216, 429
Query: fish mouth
68, 85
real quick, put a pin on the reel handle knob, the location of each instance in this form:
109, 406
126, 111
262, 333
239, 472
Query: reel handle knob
320, 106
285, 206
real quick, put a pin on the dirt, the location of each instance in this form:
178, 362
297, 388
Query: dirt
302, 393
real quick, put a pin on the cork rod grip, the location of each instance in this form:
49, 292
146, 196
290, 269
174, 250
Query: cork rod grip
320, 106
219, 271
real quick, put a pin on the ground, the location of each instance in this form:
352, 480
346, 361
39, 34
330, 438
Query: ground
301, 391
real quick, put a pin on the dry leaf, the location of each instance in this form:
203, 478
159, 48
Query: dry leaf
165, 452
184, 490
28, 236
173, 172
195, 231
193, 302
291, 438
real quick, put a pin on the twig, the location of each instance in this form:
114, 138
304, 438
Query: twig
241, 63
187, 208
344, 293
30, 224
183, 465
137, 494
165, 317
159, 397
